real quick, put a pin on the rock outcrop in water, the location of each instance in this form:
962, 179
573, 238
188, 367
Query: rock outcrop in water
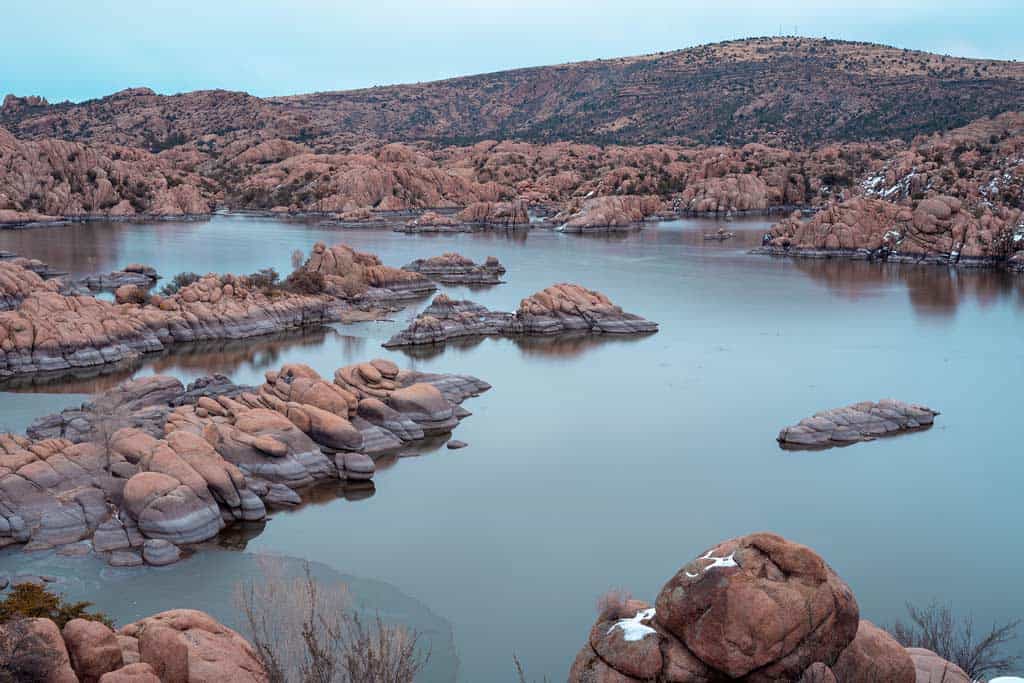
177, 646
151, 464
558, 309
455, 269
349, 273
134, 275
939, 230
603, 214
44, 329
757, 608
496, 214
858, 422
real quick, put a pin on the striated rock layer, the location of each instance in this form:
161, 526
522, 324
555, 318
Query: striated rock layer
858, 422
151, 464
455, 269
558, 309
758, 608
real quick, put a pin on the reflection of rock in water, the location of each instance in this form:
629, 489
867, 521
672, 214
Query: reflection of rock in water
568, 345
224, 356
932, 291
207, 581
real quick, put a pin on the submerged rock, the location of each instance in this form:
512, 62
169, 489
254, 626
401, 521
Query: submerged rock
563, 308
455, 269
858, 422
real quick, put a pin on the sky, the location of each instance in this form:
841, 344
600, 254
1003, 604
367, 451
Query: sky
76, 50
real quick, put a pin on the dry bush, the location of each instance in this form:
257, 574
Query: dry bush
298, 258
265, 280
612, 604
307, 632
304, 282
24, 655
352, 285
29, 601
953, 638
178, 282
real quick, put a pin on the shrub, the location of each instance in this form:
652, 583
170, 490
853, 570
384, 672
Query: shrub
27, 600
304, 282
298, 258
935, 628
265, 279
178, 282
352, 285
303, 630
612, 604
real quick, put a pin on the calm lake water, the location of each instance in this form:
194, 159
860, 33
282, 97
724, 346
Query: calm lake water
610, 463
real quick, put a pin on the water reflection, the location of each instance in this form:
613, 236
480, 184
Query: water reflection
559, 345
933, 291
190, 358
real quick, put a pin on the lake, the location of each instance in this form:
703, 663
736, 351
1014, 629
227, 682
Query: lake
604, 463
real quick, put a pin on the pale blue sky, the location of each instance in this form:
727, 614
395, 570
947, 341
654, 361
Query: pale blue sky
76, 49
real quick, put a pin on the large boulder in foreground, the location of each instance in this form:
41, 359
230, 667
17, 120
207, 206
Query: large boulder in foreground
757, 608
209, 651
759, 603
862, 421
931, 668
874, 655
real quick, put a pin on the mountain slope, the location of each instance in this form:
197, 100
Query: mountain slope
785, 91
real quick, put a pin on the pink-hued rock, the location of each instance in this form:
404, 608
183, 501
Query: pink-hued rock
212, 652
605, 213
451, 268
931, 668
757, 608
858, 422
351, 274
504, 214
93, 649
139, 672
874, 655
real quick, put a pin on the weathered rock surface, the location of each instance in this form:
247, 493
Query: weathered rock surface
557, 309
52, 332
134, 274
354, 275
612, 213
150, 464
93, 649
874, 655
858, 422
455, 269
931, 668
192, 646
501, 214
756, 608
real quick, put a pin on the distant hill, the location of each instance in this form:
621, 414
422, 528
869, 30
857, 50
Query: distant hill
783, 91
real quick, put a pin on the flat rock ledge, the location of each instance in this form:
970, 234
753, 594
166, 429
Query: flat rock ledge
558, 309
862, 421
455, 269
796, 619
151, 465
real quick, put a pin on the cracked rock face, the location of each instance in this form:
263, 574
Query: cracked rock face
757, 608
858, 422
558, 309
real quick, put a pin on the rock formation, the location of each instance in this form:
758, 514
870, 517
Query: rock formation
179, 646
757, 608
351, 274
151, 465
134, 274
431, 221
612, 213
557, 309
500, 214
455, 269
858, 422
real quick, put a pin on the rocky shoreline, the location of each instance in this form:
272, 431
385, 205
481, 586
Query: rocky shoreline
558, 309
152, 465
44, 328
